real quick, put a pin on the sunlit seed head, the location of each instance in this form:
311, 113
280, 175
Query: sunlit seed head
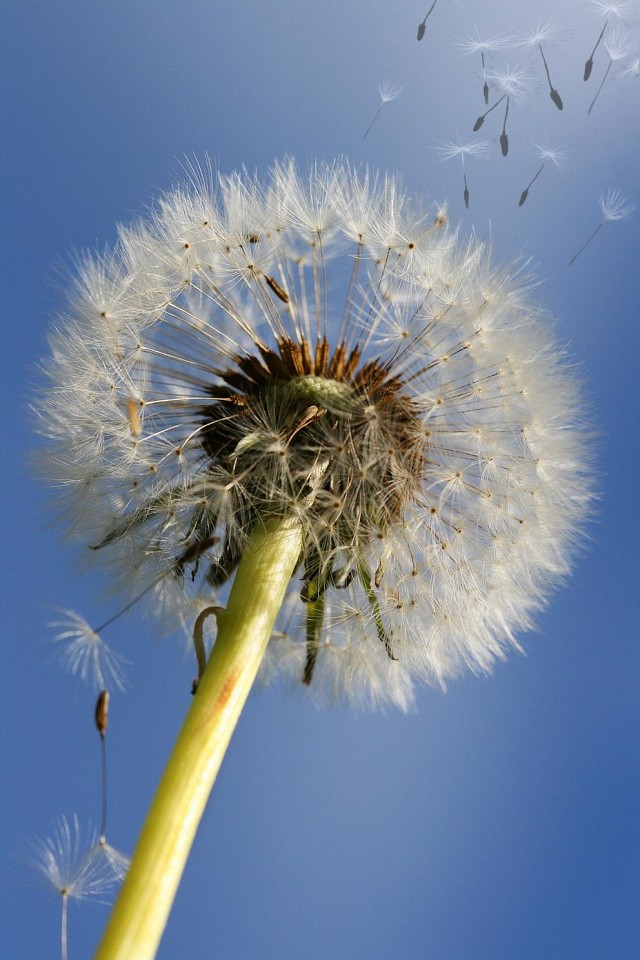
480, 44
399, 371
117, 861
512, 81
389, 90
615, 206
558, 158
69, 862
85, 654
453, 149
622, 9
616, 44
545, 31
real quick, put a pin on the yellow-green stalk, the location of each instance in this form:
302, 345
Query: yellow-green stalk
142, 909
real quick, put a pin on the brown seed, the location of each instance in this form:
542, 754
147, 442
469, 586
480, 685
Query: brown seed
133, 414
277, 289
102, 712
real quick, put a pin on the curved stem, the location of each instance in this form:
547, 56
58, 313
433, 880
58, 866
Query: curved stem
142, 909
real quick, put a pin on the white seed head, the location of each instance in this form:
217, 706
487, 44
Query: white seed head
512, 81
622, 9
72, 864
480, 44
318, 346
86, 655
545, 31
452, 149
616, 44
615, 206
389, 90
555, 156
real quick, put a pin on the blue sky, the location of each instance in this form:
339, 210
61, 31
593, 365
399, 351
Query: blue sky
501, 819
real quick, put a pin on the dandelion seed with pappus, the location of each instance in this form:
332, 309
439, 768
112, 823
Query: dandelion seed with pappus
454, 149
511, 83
548, 155
85, 654
356, 439
73, 868
613, 206
617, 47
388, 90
474, 45
622, 9
546, 32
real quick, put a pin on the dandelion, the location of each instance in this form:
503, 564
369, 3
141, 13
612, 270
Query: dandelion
511, 83
547, 155
423, 25
608, 8
388, 90
85, 654
617, 48
68, 864
452, 150
545, 32
475, 45
613, 206
355, 435
633, 68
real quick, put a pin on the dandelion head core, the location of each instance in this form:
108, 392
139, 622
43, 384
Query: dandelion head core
318, 347
324, 413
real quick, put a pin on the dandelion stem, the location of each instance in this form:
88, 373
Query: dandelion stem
63, 925
376, 115
525, 192
484, 115
588, 67
585, 245
103, 766
593, 102
141, 911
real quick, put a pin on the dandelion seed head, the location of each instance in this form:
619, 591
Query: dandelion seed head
86, 655
616, 44
633, 68
69, 862
615, 206
558, 158
512, 81
622, 9
452, 149
479, 44
389, 90
323, 348
545, 31
117, 862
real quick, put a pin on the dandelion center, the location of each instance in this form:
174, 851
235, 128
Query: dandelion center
315, 429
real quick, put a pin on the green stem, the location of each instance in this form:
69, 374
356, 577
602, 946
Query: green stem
140, 914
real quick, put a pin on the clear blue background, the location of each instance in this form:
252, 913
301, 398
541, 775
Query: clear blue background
499, 821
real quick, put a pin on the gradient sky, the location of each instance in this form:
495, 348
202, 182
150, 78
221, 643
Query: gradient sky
501, 819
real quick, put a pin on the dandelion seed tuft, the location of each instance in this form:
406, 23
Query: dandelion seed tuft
615, 206
67, 862
85, 654
405, 402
